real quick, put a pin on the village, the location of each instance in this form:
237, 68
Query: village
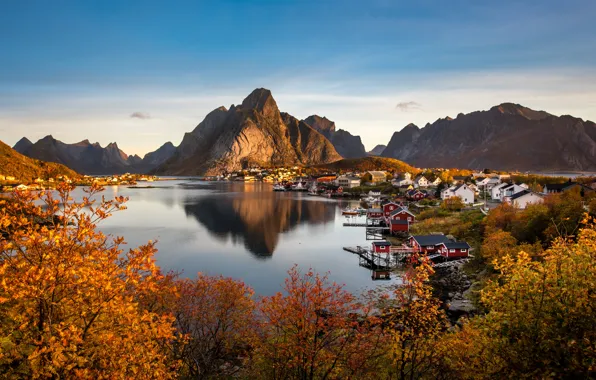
11, 183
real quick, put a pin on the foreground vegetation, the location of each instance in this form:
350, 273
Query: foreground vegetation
74, 304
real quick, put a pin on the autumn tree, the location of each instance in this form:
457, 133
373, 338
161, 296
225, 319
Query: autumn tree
415, 322
316, 330
214, 319
540, 320
453, 204
67, 295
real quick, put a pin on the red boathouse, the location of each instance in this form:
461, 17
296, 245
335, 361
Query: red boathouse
381, 246
454, 249
398, 226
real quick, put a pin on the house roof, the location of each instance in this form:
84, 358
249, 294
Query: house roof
456, 245
501, 185
376, 173
559, 186
400, 210
458, 187
375, 210
522, 193
426, 240
420, 177
381, 243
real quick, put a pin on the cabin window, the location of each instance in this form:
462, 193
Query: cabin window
464, 250
452, 251
409, 218
430, 247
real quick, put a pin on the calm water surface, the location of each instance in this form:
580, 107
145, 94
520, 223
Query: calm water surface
241, 230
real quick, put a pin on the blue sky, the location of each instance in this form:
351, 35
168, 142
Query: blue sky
80, 69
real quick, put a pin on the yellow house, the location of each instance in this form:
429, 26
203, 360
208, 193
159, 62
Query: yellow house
374, 177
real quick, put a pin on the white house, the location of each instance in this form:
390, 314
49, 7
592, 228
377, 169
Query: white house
421, 181
488, 183
508, 191
495, 192
473, 187
347, 182
523, 198
404, 179
436, 182
463, 191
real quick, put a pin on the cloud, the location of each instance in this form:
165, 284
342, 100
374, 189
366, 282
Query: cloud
407, 106
140, 115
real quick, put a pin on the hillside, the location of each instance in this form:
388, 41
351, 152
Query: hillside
368, 163
252, 133
506, 137
23, 168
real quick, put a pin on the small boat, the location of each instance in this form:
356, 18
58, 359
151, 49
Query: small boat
349, 211
278, 187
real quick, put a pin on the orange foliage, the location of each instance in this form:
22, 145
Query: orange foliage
67, 295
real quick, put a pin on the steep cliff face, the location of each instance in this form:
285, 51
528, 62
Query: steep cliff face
253, 133
22, 145
507, 137
346, 144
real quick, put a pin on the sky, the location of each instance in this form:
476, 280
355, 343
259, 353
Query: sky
141, 73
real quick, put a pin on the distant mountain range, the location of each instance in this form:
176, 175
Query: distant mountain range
87, 158
506, 137
23, 168
252, 133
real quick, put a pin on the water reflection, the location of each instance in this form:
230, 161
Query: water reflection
258, 217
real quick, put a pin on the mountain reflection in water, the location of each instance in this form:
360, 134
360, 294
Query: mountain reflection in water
257, 218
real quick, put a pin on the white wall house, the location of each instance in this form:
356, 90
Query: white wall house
462, 191
495, 192
437, 181
488, 183
508, 191
421, 181
404, 179
347, 182
523, 198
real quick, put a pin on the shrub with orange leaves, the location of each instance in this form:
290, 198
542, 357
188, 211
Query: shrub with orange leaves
316, 330
67, 293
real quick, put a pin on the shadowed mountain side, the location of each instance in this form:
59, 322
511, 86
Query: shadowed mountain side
506, 137
257, 219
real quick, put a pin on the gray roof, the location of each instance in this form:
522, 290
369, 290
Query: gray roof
381, 243
427, 240
520, 194
375, 210
457, 245
401, 209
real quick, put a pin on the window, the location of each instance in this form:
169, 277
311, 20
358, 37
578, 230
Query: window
409, 218
464, 250
430, 247
452, 251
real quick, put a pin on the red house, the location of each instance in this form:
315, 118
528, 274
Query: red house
428, 243
454, 249
374, 213
402, 214
416, 195
398, 226
388, 208
381, 246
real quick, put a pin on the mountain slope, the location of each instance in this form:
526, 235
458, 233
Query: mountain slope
346, 144
22, 145
368, 163
506, 137
23, 168
377, 150
253, 133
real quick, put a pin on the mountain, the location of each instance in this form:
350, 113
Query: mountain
22, 145
506, 137
87, 158
161, 155
345, 143
377, 150
23, 168
368, 163
253, 133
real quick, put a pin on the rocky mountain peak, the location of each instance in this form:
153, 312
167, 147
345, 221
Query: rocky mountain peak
22, 145
321, 124
260, 100
517, 109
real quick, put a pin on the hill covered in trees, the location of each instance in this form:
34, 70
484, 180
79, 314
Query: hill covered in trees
368, 163
23, 168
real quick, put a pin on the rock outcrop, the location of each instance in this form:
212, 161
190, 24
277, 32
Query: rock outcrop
346, 144
253, 133
506, 137
377, 150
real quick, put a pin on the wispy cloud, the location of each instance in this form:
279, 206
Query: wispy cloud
140, 115
407, 106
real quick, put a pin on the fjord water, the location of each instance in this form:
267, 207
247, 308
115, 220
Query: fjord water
240, 230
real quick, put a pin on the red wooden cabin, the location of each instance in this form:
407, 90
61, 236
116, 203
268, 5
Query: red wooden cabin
381, 246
